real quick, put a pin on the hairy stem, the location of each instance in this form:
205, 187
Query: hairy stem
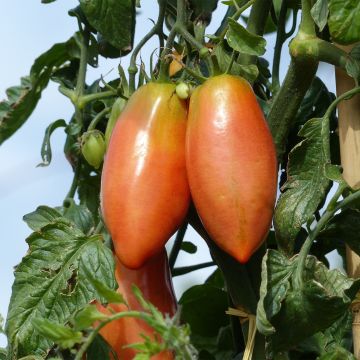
156, 29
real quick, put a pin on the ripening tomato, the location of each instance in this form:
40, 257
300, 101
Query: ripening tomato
231, 164
144, 189
154, 280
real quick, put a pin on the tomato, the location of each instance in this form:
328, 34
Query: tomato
154, 280
93, 147
231, 164
144, 189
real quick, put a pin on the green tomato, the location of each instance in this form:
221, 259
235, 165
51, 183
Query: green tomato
183, 90
93, 147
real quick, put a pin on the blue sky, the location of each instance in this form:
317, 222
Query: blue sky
29, 28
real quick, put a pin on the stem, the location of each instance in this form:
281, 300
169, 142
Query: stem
99, 227
329, 213
287, 101
74, 184
80, 83
307, 26
98, 117
85, 99
177, 245
187, 269
235, 17
156, 29
345, 96
280, 39
135, 314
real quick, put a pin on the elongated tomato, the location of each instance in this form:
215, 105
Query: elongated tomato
231, 164
154, 280
144, 189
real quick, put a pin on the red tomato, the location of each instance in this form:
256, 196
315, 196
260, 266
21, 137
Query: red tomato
144, 189
231, 164
154, 280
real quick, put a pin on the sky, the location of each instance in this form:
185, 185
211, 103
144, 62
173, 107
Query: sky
28, 29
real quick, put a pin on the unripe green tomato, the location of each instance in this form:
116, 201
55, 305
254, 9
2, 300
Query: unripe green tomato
183, 90
93, 147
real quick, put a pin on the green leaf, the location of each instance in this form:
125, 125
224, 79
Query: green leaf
89, 190
322, 298
306, 185
52, 281
47, 1
344, 227
85, 317
62, 335
114, 19
201, 303
41, 217
23, 99
320, 13
338, 353
46, 153
188, 247
243, 41
223, 56
99, 349
344, 21
79, 215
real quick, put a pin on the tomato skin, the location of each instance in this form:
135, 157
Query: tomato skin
231, 164
154, 280
144, 189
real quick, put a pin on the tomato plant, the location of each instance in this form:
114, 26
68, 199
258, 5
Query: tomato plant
202, 132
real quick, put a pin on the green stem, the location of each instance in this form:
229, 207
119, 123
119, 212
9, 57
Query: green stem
177, 245
85, 99
98, 117
187, 269
74, 183
135, 314
236, 17
280, 39
80, 83
99, 227
156, 29
345, 96
329, 213
307, 26
287, 101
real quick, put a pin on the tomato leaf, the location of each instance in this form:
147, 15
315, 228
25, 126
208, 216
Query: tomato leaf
188, 247
344, 227
51, 282
46, 153
343, 21
60, 334
338, 353
196, 308
224, 54
41, 217
243, 41
23, 99
306, 185
114, 19
322, 299
87, 316
99, 349
320, 13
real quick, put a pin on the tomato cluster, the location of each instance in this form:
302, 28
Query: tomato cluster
164, 151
